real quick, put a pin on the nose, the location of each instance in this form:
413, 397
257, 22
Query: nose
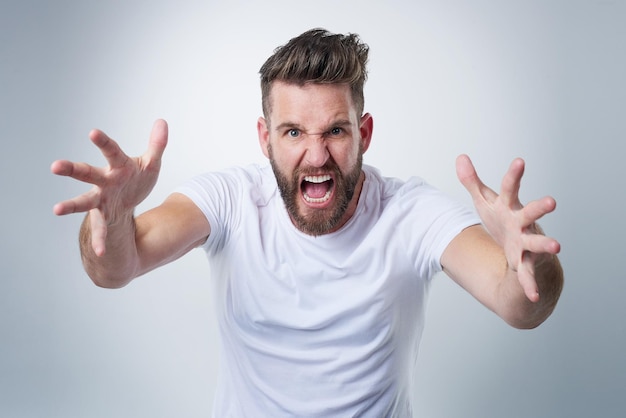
317, 151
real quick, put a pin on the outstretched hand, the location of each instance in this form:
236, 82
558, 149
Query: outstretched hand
118, 188
511, 224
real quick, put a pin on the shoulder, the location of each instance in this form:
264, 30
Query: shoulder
417, 203
232, 180
252, 174
404, 192
225, 197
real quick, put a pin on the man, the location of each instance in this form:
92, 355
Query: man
321, 265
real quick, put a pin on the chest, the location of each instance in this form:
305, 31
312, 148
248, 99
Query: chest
279, 286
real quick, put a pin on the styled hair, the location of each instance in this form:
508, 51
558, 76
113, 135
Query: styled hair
318, 56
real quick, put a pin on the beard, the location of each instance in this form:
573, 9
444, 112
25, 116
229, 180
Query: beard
318, 221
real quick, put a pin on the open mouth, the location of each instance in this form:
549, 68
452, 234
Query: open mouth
317, 189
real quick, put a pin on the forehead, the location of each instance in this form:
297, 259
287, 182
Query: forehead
310, 102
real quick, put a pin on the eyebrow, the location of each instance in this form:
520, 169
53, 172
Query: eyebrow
342, 123
286, 125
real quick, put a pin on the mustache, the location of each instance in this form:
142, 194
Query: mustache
311, 171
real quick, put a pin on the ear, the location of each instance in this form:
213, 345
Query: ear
365, 129
264, 135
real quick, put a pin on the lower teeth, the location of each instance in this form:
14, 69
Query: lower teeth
317, 199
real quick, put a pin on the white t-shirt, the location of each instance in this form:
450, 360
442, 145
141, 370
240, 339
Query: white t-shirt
325, 326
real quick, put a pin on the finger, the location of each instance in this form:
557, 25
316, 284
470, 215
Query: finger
526, 277
540, 244
535, 210
109, 148
509, 192
98, 232
82, 203
158, 140
78, 171
467, 175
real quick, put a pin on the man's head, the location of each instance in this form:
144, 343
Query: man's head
320, 57
313, 131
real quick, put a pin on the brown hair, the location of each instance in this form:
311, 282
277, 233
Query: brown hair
318, 56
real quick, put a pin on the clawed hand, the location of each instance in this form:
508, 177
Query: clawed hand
511, 224
118, 188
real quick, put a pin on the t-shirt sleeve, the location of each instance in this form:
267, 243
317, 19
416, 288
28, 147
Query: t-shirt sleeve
434, 220
216, 195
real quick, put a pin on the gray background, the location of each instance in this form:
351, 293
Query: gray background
543, 80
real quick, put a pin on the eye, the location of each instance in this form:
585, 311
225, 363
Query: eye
336, 131
293, 133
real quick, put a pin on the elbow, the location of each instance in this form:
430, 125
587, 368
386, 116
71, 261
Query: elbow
529, 314
525, 324
106, 277
109, 283
534, 314
107, 280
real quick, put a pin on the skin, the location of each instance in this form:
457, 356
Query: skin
314, 130
507, 264
115, 246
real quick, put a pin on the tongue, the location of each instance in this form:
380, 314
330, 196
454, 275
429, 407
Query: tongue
315, 190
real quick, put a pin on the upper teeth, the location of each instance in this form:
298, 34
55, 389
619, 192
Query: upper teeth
317, 179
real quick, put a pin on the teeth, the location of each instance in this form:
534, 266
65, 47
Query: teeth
317, 179
317, 200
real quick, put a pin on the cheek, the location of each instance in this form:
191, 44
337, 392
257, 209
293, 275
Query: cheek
285, 158
345, 155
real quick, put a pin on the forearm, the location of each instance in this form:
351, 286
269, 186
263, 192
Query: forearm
517, 309
119, 263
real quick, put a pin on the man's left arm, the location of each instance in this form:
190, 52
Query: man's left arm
507, 263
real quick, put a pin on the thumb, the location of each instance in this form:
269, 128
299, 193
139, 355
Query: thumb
466, 174
98, 232
158, 140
